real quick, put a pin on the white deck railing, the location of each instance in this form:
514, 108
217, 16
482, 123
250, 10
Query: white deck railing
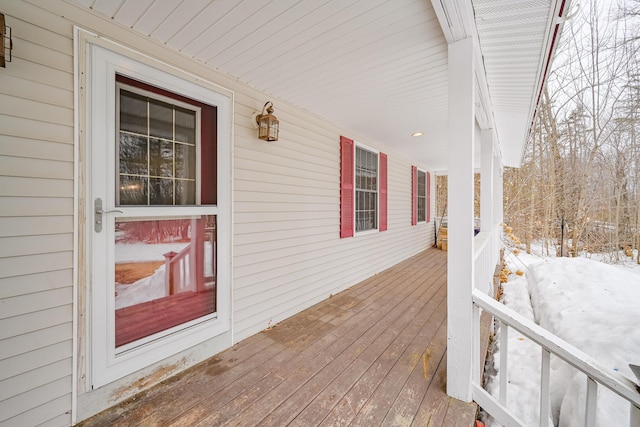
549, 344
486, 254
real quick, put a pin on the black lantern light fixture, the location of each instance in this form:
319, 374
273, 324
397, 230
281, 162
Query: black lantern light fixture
268, 124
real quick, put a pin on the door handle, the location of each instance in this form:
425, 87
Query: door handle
97, 204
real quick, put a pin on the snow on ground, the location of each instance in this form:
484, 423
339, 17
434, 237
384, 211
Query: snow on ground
144, 252
146, 289
593, 306
151, 287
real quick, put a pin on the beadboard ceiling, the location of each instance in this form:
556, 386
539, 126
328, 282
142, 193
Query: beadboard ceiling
377, 68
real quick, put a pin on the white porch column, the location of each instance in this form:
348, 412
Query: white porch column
460, 219
498, 193
487, 220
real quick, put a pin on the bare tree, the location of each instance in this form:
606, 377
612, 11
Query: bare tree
581, 163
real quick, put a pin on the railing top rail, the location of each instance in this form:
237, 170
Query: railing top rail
182, 254
557, 346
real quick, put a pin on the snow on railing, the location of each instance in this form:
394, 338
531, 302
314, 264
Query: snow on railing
550, 344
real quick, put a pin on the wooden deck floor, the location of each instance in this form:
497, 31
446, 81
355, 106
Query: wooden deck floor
373, 355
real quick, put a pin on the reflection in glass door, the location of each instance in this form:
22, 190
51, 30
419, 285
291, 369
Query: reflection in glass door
164, 274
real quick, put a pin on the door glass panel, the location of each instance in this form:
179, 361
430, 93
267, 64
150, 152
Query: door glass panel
157, 146
185, 192
133, 112
164, 274
133, 154
160, 157
185, 125
160, 119
133, 190
160, 191
185, 161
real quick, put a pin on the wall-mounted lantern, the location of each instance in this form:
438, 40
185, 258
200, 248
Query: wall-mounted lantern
6, 43
268, 124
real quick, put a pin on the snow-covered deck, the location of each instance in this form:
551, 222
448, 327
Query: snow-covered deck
371, 355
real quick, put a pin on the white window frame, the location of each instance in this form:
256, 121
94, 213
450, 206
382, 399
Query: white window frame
376, 229
107, 363
424, 196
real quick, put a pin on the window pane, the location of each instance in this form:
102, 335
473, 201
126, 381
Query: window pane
422, 200
133, 112
185, 125
133, 154
160, 119
160, 191
421, 183
133, 190
160, 158
185, 161
185, 192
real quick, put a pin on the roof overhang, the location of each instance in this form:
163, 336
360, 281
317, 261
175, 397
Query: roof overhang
518, 41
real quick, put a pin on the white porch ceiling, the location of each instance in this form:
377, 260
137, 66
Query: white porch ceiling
377, 68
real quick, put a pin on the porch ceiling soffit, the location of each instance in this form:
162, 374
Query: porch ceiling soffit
376, 68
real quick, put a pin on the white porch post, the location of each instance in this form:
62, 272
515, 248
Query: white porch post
487, 220
460, 264
498, 210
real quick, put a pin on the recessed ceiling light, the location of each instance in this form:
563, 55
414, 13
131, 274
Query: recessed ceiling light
417, 134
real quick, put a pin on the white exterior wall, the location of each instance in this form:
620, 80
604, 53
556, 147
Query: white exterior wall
287, 251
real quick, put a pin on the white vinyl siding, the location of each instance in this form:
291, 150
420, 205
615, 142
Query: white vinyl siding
286, 246
36, 220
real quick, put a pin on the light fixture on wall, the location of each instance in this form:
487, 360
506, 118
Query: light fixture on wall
268, 124
6, 43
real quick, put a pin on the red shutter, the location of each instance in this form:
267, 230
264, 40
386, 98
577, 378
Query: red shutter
428, 197
346, 187
383, 192
414, 195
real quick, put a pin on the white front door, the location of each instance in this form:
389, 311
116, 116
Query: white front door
157, 150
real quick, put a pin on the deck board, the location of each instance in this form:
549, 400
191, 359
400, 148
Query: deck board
372, 355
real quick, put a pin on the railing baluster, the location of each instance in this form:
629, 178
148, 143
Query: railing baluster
504, 350
634, 416
591, 405
545, 369
477, 368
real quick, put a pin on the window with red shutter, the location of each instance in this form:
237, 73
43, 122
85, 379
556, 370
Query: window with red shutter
383, 192
422, 196
414, 195
428, 197
363, 189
